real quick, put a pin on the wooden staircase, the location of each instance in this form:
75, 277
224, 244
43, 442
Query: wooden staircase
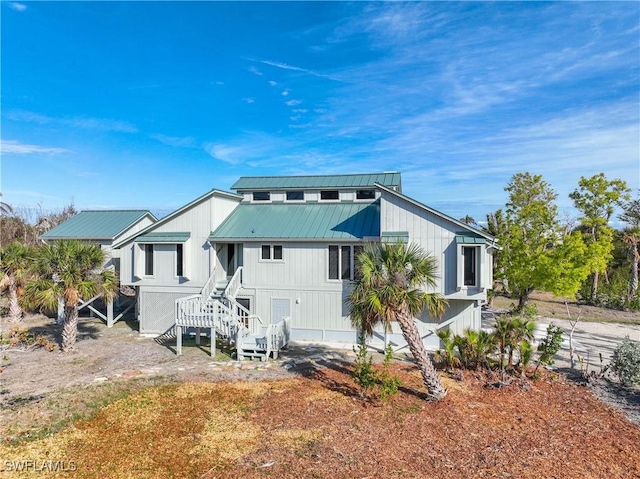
216, 309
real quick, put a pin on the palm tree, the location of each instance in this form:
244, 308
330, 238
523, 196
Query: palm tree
389, 289
71, 270
15, 260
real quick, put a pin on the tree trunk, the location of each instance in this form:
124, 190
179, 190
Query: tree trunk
523, 298
70, 328
633, 289
594, 288
15, 311
430, 376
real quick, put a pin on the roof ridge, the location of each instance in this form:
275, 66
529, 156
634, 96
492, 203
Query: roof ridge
321, 176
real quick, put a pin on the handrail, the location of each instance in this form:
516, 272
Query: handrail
209, 286
234, 284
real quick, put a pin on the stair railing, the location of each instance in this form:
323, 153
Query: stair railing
234, 284
209, 286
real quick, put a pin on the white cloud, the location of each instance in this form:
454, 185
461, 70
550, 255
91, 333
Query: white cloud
293, 102
177, 141
83, 122
255, 71
249, 100
285, 93
15, 147
285, 66
272, 83
300, 110
20, 7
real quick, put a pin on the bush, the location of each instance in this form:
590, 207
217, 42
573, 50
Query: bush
625, 362
374, 384
550, 345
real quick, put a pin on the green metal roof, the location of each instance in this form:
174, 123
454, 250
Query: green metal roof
394, 237
301, 221
99, 224
169, 237
390, 180
466, 239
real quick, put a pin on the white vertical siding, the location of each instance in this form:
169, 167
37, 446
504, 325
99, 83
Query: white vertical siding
199, 220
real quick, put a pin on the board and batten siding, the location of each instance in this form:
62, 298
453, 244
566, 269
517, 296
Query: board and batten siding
199, 220
437, 236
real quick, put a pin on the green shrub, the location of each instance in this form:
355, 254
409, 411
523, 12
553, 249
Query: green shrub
446, 357
625, 362
550, 345
373, 383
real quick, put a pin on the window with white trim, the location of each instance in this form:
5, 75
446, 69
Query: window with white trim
261, 196
329, 195
342, 262
179, 259
271, 252
295, 195
148, 260
469, 266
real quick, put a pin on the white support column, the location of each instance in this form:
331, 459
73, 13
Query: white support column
60, 316
178, 340
213, 343
197, 336
109, 314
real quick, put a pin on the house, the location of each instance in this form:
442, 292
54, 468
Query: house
103, 227
284, 247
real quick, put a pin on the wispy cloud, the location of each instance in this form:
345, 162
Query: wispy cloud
272, 83
82, 122
254, 70
15, 147
177, 141
249, 100
293, 102
285, 93
286, 66
20, 7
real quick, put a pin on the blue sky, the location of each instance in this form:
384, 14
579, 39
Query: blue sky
151, 104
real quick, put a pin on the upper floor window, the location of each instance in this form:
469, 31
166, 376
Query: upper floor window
469, 265
329, 195
365, 194
261, 196
295, 195
180, 260
148, 260
271, 252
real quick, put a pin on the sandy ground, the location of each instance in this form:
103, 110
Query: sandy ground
112, 354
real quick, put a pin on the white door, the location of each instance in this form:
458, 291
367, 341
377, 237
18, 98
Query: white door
280, 309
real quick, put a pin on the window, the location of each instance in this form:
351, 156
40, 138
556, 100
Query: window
342, 261
295, 195
365, 194
148, 260
261, 196
329, 195
179, 260
469, 265
271, 252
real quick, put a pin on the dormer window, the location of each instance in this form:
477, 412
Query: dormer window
329, 195
261, 196
365, 194
295, 195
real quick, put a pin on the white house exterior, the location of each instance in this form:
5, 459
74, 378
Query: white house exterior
284, 247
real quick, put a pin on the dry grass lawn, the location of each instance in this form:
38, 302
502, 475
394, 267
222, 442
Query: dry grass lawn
316, 427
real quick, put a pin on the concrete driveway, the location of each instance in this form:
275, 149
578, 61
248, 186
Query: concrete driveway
590, 339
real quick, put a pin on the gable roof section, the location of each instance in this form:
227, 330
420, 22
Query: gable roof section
310, 221
179, 211
469, 231
172, 237
97, 225
368, 180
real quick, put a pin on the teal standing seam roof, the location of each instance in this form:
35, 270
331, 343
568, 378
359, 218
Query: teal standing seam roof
467, 239
301, 221
98, 224
368, 180
170, 237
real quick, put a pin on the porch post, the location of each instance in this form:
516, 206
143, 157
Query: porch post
60, 316
109, 314
178, 340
